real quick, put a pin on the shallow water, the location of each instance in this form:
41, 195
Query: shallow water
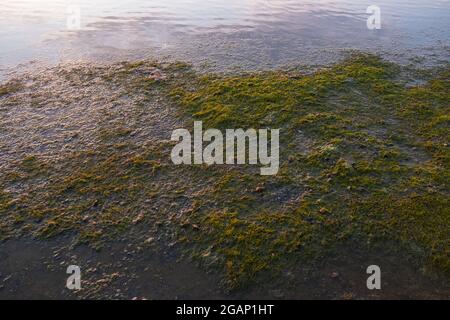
220, 33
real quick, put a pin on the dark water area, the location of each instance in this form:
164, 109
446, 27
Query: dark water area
220, 34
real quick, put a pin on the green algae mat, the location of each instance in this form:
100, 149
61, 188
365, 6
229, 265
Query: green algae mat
364, 161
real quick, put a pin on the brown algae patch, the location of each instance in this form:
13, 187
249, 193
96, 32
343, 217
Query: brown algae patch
348, 169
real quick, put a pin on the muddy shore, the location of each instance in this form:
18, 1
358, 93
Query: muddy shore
86, 179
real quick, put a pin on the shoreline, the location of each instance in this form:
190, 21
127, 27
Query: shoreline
84, 159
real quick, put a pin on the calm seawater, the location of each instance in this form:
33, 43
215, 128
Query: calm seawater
220, 33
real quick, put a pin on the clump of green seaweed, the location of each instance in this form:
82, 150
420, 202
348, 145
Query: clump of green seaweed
364, 160
10, 87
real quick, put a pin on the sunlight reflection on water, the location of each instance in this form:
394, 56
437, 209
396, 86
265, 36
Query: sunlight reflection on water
263, 32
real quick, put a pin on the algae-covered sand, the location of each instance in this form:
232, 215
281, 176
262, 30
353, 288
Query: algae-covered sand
364, 167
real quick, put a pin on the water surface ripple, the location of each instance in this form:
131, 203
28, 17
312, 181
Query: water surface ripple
220, 33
